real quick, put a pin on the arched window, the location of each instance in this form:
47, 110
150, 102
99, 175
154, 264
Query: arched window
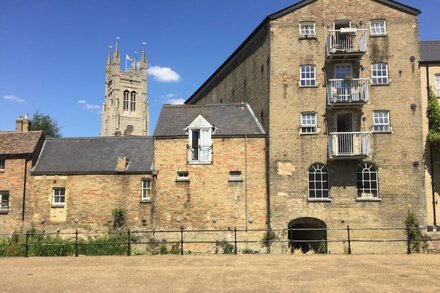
318, 181
133, 101
367, 181
126, 96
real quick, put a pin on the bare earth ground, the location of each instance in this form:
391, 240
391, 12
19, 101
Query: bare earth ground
223, 273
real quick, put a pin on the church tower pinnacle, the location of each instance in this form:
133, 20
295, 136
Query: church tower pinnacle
125, 110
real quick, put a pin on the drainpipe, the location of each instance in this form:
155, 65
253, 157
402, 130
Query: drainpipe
26, 160
428, 87
245, 184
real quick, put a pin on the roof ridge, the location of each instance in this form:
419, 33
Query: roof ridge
98, 138
206, 105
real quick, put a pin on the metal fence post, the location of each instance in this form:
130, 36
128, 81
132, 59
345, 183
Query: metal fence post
129, 243
26, 248
348, 239
235, 240
181, 240
76, 242
408, 240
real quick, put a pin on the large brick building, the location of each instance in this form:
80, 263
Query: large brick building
336, 85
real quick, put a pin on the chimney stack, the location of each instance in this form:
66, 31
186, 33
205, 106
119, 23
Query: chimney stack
22, 124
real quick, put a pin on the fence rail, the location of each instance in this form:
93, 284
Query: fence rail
74, 243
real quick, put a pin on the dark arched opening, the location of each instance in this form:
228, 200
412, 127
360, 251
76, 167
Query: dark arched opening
308, 234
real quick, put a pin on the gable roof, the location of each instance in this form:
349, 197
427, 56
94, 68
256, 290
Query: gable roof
19, 143
301, 4
429, 51
228, 119
94, 155
281, 13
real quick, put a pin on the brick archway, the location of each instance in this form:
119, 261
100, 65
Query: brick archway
311, 234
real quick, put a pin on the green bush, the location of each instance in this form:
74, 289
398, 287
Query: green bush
118, 218
419, 242
224, 247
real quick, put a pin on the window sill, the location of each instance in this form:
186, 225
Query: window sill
2, 170
301, 38
145, 201
381, 84
199, 163
4, 212
378, 36
308, 86
308, 133
235, 180
182, 180
58, 206
327, 200
368, 200
383, 132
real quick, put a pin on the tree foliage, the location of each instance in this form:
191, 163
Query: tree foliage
43, 122
434, 118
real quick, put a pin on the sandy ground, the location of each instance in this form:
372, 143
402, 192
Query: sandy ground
223, 273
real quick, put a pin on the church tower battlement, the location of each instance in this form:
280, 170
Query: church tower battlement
125, 108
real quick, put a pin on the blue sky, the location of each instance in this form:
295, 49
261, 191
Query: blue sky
53, 53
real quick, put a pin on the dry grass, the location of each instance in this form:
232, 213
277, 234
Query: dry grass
226, 273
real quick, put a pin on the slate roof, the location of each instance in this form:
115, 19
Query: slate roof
19, 143
94, 155
228, 119
429, 51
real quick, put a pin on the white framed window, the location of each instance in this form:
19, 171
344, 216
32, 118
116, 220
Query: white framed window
379, 73
146, 189
2, 164
381, 121
437, 85
182, 176
200, 145
378, 27
318, 182
308, 123
367, 181
235, 176
58, 196
4, 201
307, 75
307, 29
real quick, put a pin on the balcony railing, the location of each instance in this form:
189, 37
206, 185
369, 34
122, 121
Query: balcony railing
347, 91
200, 154
349, 144
348, 40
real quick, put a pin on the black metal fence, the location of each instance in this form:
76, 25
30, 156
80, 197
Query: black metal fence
122, 242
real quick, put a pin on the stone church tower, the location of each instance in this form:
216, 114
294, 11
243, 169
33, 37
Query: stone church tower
125, 108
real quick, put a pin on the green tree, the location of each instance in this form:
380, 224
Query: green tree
433, 114
43, 122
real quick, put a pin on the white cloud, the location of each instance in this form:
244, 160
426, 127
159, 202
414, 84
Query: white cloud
89, 106
175, 101
163, 74
168, 96
12, 98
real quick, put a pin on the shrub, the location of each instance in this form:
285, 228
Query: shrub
224, 247
268, 238
419, 242
118, 218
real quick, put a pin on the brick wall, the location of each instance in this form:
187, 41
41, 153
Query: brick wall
90, 200
12, 181
208, 197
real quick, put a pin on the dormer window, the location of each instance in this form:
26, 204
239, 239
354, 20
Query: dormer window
199, 145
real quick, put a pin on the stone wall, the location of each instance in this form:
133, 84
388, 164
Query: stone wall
398, 155
209, 200
90, 200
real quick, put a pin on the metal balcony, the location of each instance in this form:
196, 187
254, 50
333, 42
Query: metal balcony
347, 92
200, 155
348, 145
346, 42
